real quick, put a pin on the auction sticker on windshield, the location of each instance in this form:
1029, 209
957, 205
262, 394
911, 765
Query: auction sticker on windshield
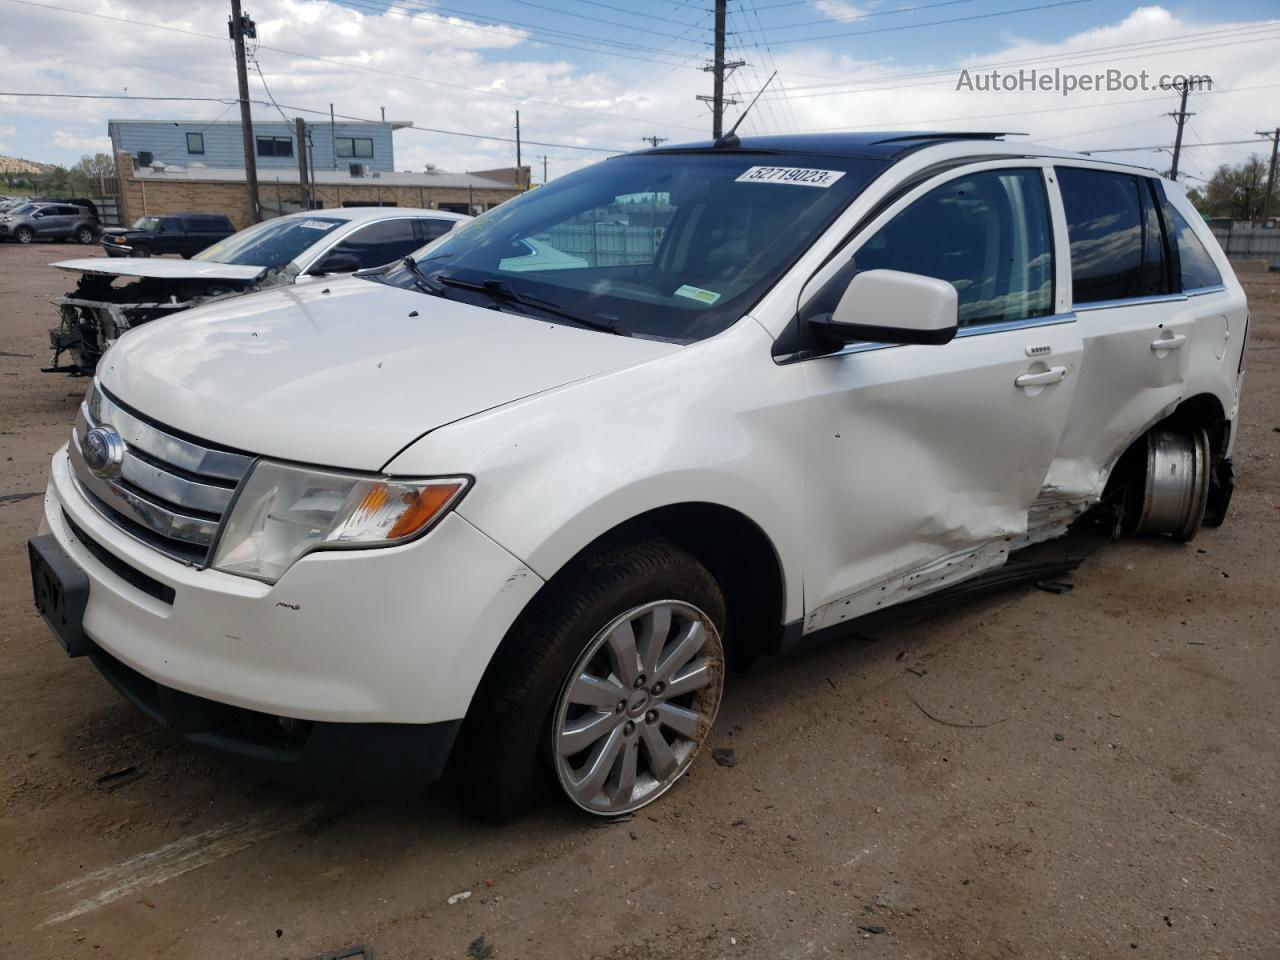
794, 176
317, 225
697, 293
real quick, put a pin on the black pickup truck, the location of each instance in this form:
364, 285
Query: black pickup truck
182, 233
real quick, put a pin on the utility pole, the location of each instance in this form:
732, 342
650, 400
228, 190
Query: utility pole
1181, 116
304, 188
519, 161
333, 138
719, 71
1271, 173
240, 27
654, 141
544, 159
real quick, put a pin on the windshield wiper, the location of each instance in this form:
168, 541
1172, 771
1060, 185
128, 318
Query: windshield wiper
500, 292
421, 280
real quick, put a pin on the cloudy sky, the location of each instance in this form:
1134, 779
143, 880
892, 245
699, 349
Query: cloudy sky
604, 74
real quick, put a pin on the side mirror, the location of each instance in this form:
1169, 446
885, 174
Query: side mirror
889, 306
335, 263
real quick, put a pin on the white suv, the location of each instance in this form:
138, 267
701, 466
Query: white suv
515, 504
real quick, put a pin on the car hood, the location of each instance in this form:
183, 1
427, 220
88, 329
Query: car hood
347, 373
161, 269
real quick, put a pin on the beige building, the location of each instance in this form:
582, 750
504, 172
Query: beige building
160, 189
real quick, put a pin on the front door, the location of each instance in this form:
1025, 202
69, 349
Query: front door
924, 461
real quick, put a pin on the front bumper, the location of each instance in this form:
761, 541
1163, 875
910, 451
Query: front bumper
392, 758
399, 635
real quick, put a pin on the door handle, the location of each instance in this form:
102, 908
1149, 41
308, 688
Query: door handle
1052, 375
1174, 342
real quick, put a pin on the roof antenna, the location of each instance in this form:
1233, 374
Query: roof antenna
730, 139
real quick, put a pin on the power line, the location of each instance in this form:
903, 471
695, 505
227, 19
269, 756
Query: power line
231, 101
932, 23
859, 16
1185, 146
1196, 38
351, 66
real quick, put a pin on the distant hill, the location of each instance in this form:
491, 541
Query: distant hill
18, 165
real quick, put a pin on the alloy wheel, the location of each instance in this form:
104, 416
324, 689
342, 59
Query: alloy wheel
636, 706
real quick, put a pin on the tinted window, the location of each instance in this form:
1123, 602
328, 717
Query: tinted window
270, 244
355, 147
170, 225
673, 245
275, 147
1195, 266
195, 143
380, 243
987, 235
429, 230
1117, 248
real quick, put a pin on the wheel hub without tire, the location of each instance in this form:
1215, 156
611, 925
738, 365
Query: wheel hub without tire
637, 705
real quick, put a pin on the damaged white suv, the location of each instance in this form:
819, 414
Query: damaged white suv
514, 505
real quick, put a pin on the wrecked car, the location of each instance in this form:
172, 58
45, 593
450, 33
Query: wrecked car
114, 295
514, 506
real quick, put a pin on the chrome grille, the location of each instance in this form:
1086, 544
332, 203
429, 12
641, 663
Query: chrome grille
170, 493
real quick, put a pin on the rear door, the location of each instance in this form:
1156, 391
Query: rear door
925, 461
1134, 323
378, 243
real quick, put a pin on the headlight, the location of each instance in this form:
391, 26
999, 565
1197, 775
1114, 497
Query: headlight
284, 512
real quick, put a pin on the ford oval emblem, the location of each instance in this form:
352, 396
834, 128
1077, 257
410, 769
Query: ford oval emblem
103, 451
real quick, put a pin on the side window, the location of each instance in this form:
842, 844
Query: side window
1117, 244
275, 147
380, 243
1195, 266
170, 225
195, 143
361, 147
429, 230
987, 235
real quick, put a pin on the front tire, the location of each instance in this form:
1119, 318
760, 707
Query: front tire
24, 235
84, 235
637, 626
141, 250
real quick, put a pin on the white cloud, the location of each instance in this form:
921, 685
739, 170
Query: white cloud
838, 9
70, 141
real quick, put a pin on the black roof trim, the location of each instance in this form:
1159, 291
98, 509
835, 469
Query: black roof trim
880, 145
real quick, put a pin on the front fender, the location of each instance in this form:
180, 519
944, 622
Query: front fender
718, 422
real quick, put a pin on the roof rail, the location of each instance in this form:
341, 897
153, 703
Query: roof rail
948, 135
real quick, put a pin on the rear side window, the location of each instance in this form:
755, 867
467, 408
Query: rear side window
987, 235
1117, 246
1195, 266
380, 243
429, 230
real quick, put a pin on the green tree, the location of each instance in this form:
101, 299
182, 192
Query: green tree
1237, 191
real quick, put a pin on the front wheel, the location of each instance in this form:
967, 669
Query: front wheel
24, 235
141, 250
611, 682
84, 235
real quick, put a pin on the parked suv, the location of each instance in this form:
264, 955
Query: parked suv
185, 234
465, 509
49, 221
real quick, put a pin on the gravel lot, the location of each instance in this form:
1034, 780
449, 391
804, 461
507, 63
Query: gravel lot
1118, 800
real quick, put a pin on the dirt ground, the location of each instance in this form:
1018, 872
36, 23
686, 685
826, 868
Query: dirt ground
1115, 793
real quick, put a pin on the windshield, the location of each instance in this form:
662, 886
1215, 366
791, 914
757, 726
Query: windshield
147, 224
271, 244
673, 246
21, 209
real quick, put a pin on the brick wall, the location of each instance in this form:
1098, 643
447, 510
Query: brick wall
156, 196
